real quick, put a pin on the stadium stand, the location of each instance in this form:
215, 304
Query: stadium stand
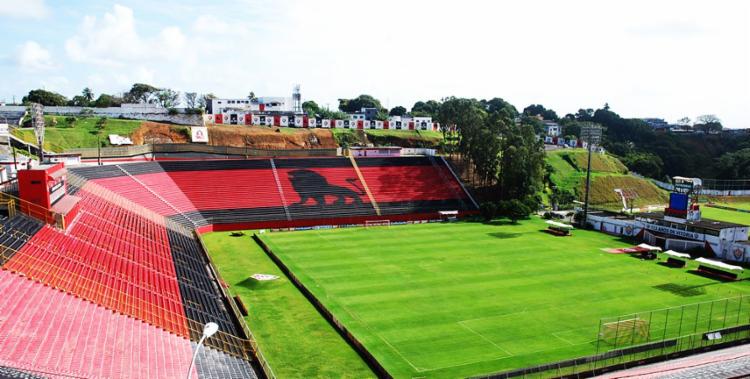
45, 330
15, 232
293, 190
129, 268
10, 373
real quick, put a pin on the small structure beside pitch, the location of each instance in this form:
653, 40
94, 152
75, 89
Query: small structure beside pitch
680, 226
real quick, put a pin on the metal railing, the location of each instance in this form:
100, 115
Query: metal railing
131, 151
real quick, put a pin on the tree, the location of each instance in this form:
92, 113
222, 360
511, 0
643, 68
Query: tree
359, 102
684, 123
572, 128
647, 164
205, 100
191, 99
167, 98
515, 210
88, 94
310, 108
141, 93
104, 101
397, 111
101, 124
539, 110
79, 101
734, 165
430, 108
500, 106
251, 96
521, 164
44, 97
708, 123
584, 114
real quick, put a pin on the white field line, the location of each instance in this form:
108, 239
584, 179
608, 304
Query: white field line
485, 338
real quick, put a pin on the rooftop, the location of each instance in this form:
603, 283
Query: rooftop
704, 223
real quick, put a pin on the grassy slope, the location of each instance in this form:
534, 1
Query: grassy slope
449, 300
295, 339
608, 173
81, 134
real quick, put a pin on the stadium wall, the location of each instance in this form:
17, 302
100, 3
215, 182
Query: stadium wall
135, 113
357, 220
139, 150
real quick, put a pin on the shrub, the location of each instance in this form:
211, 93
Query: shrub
516, 210
172, 111
71, 120
488, 210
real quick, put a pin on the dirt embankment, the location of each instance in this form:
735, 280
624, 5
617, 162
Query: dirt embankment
154, 132
238, 136
260, 137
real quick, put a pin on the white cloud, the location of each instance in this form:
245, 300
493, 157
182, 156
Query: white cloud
114, 41
34, 9
33, 57
667, 58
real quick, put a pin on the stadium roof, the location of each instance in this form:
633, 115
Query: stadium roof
704, 223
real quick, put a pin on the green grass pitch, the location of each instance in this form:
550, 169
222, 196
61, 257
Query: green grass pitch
452, 300
295, 340
725, 215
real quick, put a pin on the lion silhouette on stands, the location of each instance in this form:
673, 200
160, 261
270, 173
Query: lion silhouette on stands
311, 185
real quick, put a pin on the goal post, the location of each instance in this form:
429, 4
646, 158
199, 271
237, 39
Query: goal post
371, 223
624, 332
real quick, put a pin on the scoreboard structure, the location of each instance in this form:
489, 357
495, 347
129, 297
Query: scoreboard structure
683, 203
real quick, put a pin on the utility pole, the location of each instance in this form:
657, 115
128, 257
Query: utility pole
591, 134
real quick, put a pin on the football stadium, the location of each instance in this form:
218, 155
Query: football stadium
408, 189
114, 271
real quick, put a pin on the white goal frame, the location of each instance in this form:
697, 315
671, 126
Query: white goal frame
371, 223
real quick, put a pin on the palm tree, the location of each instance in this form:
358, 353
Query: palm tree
88, 94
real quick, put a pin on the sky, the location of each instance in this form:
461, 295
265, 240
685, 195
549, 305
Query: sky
654, 58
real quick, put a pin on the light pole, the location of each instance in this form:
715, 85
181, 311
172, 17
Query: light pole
208, 330
592, 134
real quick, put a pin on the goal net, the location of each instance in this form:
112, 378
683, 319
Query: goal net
624, 332
371, 223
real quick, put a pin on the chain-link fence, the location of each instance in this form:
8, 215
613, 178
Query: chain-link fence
650, 336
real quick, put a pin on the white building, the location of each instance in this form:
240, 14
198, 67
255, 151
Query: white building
259, 105
552, 129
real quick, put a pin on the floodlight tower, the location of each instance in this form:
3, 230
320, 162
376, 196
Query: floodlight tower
37, 120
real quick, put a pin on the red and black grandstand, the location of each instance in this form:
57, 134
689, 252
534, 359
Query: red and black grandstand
125, 288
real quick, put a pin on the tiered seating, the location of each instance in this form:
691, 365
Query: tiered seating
412, 185
237, 191
213, 364
9, 373
323, 188
49, 332
14, 233
115, 278
200, 292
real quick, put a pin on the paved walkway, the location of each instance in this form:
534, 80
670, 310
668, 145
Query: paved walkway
727, 363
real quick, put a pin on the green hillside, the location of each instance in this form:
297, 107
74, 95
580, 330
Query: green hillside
63, 133
568, 172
